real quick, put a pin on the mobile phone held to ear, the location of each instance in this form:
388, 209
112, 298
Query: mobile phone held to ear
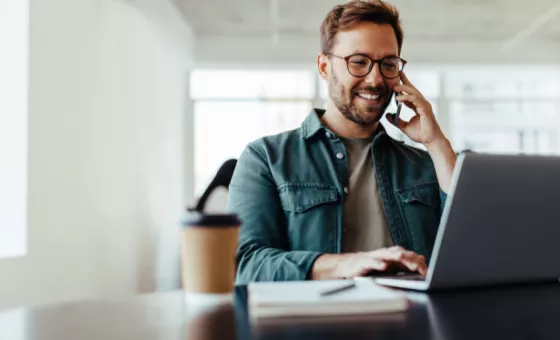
399, 107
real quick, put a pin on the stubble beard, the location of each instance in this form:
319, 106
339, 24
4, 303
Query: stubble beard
345, 103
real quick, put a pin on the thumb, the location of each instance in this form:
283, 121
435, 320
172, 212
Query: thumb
400, 124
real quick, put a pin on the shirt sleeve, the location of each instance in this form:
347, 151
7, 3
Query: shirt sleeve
263, 252
443, 199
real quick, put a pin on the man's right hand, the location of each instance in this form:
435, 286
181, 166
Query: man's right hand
343, 266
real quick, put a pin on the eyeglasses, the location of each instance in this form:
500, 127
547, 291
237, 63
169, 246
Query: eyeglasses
360, 65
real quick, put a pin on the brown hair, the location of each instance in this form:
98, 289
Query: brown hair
344, 16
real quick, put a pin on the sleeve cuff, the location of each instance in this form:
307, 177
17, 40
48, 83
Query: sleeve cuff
304, 261
442, 198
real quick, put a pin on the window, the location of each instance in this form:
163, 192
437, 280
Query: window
13, 126
494, 109
235, 107
223, 129
505, 110
252, 84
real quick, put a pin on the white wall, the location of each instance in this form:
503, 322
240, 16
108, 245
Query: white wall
106, 147
189, 150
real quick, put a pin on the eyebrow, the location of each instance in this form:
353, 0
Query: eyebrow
366, 54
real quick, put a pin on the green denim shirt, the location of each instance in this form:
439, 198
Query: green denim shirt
288, 191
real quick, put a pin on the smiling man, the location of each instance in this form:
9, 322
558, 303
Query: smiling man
338, 197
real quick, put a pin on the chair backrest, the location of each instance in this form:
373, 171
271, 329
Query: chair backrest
217, 187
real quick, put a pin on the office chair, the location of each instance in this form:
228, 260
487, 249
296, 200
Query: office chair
222, 179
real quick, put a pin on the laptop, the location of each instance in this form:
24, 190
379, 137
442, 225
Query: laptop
500, 225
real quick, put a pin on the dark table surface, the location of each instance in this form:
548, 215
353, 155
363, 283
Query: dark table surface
528, 312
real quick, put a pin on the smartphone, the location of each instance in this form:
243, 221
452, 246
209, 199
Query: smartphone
399, 107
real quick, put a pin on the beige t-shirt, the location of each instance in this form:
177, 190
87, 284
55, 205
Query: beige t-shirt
364, 222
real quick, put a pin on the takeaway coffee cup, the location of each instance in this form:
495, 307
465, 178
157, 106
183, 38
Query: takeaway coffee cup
208, 246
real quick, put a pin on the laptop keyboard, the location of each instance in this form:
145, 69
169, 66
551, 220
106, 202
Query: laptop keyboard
409, 277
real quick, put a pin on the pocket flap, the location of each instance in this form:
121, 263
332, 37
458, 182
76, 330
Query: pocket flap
301, 197
427, 194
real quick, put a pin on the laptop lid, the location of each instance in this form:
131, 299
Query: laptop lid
501, 222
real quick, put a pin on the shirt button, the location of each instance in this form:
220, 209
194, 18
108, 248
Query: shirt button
340, 155
346, 190
328, 134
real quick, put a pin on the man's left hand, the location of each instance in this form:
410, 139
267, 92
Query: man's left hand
423, 127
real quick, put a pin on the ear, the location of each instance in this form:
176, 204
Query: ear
323, 66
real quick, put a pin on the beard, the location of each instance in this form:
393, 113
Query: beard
362, 114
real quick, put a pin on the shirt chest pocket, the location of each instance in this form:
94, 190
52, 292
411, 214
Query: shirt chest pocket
310, 211
421, 208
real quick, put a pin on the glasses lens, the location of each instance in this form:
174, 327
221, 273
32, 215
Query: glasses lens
359, 65
391, 67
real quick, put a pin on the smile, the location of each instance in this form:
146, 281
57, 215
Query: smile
368, 96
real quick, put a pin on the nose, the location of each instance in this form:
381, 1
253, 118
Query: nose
374, 76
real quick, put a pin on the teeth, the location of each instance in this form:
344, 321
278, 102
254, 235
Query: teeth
368, 96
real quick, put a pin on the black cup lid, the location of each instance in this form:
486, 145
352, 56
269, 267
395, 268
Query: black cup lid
198, 219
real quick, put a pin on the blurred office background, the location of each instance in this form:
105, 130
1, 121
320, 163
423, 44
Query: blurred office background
115, 114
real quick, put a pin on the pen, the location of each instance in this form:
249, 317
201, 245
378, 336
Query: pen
332, 291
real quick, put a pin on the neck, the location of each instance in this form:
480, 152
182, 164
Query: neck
344, 127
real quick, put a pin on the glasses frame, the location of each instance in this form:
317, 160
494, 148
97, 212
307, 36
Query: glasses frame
373, 62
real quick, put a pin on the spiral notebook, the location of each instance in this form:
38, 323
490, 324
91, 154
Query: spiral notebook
304, 298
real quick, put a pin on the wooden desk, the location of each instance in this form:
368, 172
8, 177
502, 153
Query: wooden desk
504, 314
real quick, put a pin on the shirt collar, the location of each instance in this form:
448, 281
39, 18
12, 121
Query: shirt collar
312, 125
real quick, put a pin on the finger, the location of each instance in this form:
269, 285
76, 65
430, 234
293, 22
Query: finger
418, 104
423, 269
413, 266
402, 124
420, 262
407, 101
410, 106
376, 264
370, 264
412, 98
410, 259
394, 253
416, 266
406, 89
391, 119
405, 80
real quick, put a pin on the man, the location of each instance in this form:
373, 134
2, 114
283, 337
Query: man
338, 198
